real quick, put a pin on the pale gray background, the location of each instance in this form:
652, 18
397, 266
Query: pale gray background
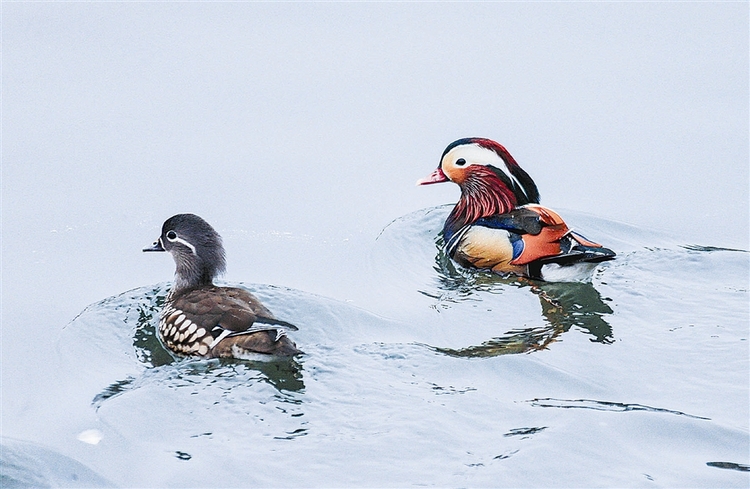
299, 129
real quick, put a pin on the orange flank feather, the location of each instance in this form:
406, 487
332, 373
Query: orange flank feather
547, 242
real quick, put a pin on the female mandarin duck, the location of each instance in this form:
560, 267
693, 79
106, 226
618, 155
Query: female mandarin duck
204, 320
498, 223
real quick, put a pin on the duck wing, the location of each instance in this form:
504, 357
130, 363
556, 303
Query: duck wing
231, 308
229, 320
521, 220
531, 235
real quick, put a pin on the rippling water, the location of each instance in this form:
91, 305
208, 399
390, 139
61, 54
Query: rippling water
445, 376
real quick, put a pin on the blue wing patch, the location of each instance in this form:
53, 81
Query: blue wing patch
517, 242
499, 221
521, 221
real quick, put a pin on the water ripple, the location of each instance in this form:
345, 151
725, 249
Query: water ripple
604, 406
730, 466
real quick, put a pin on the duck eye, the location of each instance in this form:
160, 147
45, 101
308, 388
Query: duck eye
171, 236
460, 162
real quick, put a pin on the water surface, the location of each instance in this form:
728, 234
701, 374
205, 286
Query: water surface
448, 376
298, 130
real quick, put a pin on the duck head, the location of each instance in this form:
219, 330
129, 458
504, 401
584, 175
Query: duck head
490, 179
196, 248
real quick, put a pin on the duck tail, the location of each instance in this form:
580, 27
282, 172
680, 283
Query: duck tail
250, 345
276, 322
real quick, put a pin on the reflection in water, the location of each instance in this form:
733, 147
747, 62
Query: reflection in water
113, 390
284, 375
525, 432
148, 348
605, 406
730, 466
564, 304
165, 367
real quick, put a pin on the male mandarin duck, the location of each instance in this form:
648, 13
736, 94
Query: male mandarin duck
498, 223
202, 319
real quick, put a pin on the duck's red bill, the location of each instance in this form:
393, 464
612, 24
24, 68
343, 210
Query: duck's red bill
435, 177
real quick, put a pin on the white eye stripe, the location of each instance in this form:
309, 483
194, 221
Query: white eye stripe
475, 154
177, 239
182, 241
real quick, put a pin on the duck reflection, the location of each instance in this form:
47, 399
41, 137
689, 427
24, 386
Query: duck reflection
200, 374
284, 374
280, 372
563, 305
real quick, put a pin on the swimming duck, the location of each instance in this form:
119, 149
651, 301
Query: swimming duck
202, 319
498, 223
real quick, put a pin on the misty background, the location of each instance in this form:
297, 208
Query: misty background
298, 130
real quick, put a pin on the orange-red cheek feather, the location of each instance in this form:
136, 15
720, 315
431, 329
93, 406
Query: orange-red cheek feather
456, 174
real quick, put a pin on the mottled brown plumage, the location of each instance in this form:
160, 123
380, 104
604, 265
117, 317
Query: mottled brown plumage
202, 319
